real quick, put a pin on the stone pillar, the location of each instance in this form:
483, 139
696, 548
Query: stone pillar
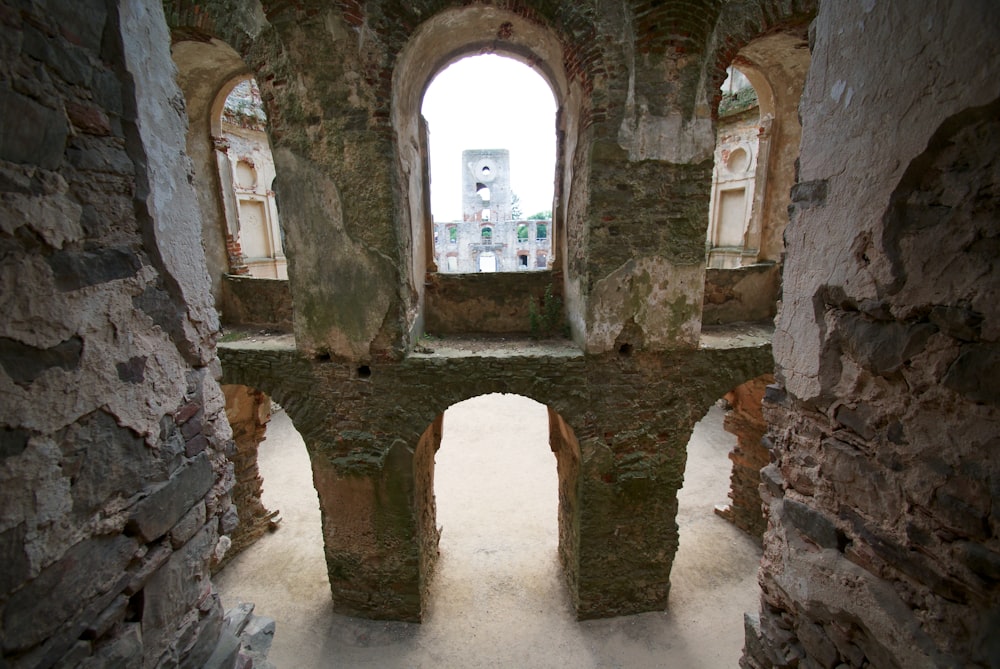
749, 456
369, 531
248, 411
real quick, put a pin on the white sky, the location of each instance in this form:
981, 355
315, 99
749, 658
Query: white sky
490, 102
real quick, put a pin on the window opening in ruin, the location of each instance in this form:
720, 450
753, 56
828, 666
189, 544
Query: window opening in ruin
522, 232
487, 262
473, 183
541, 231
522, 261
246, 169
487, 234
452, 234
731, 241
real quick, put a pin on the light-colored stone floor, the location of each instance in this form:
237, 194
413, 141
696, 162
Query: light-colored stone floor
497, 598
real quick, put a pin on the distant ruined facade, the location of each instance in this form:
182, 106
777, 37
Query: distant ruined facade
870, 250
487, 239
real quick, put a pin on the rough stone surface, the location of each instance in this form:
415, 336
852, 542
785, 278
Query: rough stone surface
256, 303
248, 411
621, 415
881, 548
882, 518
94, 197
743, 294
745, 419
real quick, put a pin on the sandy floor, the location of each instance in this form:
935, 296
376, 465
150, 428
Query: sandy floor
497, 597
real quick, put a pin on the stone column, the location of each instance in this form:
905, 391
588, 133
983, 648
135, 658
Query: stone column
248, 411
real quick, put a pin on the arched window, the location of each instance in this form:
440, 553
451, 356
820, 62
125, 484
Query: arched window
247, 167
475, 185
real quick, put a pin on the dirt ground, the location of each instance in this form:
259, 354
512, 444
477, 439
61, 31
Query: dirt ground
497, 597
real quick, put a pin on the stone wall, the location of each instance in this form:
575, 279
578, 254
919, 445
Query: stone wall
256, 303
488, 303
883, 541
342, 87
745, 419
743, 294
620, 432
114, 487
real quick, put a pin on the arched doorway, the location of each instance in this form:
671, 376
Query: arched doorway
504, 497
497, 495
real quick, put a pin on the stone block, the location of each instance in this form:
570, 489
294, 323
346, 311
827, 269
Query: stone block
812, 523
63, 589
16, 567
125, 650
13, 441
25, 363
226, 652
974, 374
78, 269
258, 634
108, 618
163, 507
188, 526
103, 459
819, 647
173, 592
152, 561
238, 617
31, 133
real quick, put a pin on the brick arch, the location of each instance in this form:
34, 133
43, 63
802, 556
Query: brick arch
620, 421
449, 35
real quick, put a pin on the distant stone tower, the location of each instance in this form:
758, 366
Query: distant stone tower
486, 185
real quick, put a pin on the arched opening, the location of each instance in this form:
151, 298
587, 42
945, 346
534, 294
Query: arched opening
246, 170
497, 496
438, 42
497, 486
284, 569
204, 68
228, 178
757, 145
713, 578
470, 183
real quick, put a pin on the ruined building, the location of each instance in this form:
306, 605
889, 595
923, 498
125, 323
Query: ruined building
489, 238
882, 475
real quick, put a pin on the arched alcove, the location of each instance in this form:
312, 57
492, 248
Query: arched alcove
440, 41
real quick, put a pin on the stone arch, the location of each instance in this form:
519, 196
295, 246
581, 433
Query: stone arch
440, 41
207, 69
566, 448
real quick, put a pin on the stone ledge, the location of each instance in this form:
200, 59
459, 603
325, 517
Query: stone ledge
736, 335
